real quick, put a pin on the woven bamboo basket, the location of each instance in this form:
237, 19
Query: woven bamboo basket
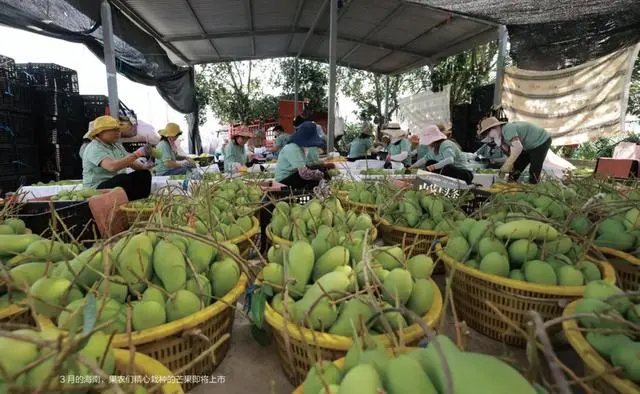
472, 288
331, 347
594, 364
202, 339
150, 371
357, 207
17, 315
137, 214
275, 240
243, 242
340, 363
627, 267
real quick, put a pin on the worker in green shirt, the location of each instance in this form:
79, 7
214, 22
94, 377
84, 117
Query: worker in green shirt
280, 141
235, 153
443, 156
399, 148
293, 168
361, 146
526, 143
169, 162
104, 161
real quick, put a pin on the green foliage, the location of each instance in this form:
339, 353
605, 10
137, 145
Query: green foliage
634, 90
367, 90
234, 93
313, 82
465, 72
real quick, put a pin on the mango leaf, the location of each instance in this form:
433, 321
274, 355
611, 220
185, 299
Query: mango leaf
90, 311
258, 299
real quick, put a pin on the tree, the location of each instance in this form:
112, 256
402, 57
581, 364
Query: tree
233, 92
368, 91
313, 80
465, 72
634, 90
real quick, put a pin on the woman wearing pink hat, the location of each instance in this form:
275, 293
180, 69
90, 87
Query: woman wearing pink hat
442, 155
235, 154
527, 144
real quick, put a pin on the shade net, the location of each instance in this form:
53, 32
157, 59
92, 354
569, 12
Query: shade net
138, 55
554, 34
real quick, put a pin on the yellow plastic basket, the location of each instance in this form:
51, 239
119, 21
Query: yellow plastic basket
243, 242
472, 288
628, 271
17, 315
594, 364
149, 370
340, 363
348, 205
275, 240
330, 347
137, 214
204, 336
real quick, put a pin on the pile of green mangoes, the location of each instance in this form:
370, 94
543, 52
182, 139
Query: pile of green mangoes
369, 192
418, 209
339, 271
522, 249
145, 203
18, 353
259, 175
620, 232
166, 276
75, 195
58, 183
12, 226
614, 340
369, 368
321, 220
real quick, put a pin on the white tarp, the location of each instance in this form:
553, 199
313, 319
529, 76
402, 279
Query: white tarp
419, 110
575, 104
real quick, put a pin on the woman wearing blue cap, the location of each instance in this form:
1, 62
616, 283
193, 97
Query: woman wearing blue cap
293, 168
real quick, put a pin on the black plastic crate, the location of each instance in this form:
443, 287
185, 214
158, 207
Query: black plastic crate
26, 159
48, 75
94, 105
7, 157
11, 184
63, 160
24, 98
7, 67
16, 128
57, 130
52, 103
6, 94
76, 216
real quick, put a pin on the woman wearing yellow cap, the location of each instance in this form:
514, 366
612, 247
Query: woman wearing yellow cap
104, 161
169, 162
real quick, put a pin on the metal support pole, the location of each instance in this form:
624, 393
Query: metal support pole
502, 52
386, 98
333, 42
296, 87
110, 58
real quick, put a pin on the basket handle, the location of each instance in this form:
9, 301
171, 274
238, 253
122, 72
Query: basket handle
197, 333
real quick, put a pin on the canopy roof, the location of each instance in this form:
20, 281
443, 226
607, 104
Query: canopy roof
382, 36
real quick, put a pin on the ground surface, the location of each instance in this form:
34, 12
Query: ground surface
252, 369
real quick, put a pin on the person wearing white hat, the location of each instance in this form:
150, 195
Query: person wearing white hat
235, 154
527, 144
443, 155
399, 147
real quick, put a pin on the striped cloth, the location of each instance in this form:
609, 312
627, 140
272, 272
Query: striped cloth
575, 104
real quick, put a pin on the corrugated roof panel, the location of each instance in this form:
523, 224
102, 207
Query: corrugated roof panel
394, 61
366, 55
355, 26
312, 42
195, 49
309, 12
158, 12
220, 15
272, 45
233, 46
265, 15
322, 50
449, 33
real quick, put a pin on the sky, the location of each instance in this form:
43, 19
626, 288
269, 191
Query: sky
27, 47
